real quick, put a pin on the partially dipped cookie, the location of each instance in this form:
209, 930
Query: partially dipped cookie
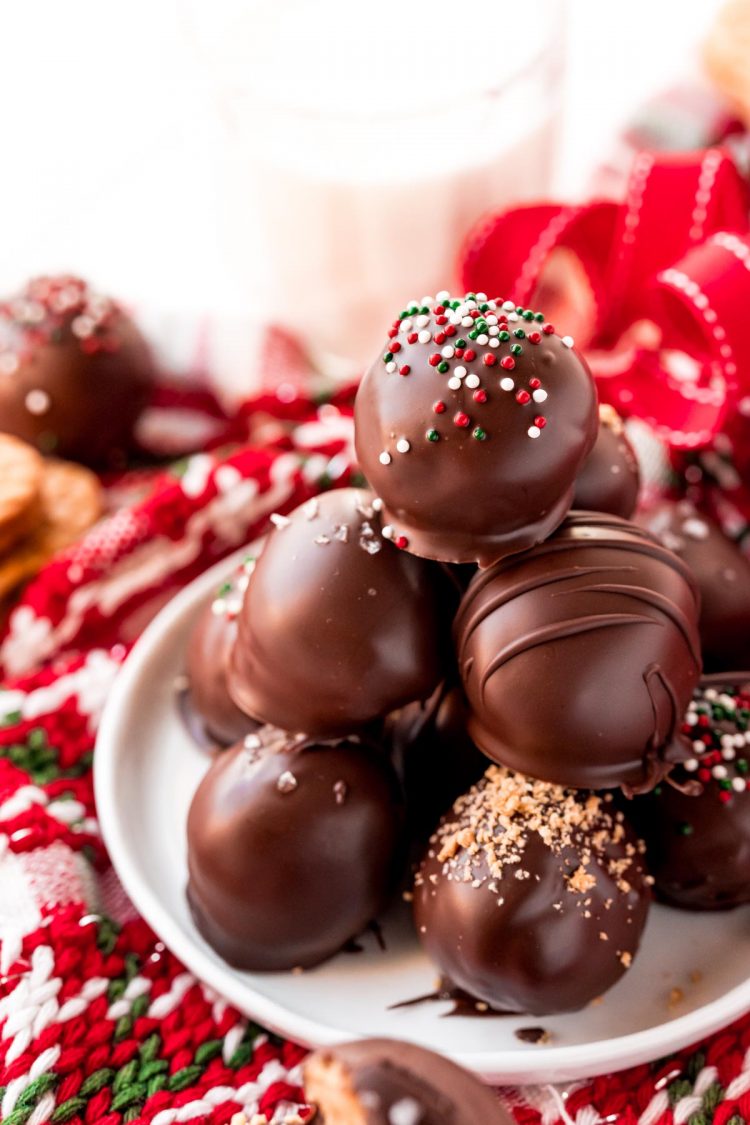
531, 897
75, 372
698, 836
472, 425
338, 626
579, 657
293, 848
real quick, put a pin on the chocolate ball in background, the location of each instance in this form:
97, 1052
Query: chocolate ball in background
293, 848
579, 657
698, 844
210, 643
609, 478
531, 897
434, 756
387, 1082
722, 573
75, 372
338, 626
472, 425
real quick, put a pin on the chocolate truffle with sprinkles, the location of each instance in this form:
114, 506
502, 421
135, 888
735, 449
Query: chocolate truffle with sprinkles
609, 478
293, 848
698, 837
532, 898
338, 627
210, 643
75, 372
471, 426
580, 656
388, 1082
723, 575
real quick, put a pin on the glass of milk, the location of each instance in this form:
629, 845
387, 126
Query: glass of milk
363, 141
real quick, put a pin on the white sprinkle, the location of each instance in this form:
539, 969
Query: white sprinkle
459, 372
390, 367
406, 326
218, 607
719, 772
407, 1111
729, 753
509, 306
37, 402
513, 316
533, 431
83, 326
385, 458
710, 694
8, 363
494, 342
341, 532
739, 784
427, 301
507, 384
402, 445
278, 521
539, 395
422, 321
695, 529
321, 540
454, 383
699, 746
494, 330
424, 336
377, 504
448, 352
482, 339
442, 296
568, 341
481, 297
287, 782
491, 319
467, 322
252, 742
455, 317
691, 765
387, 531
471, 381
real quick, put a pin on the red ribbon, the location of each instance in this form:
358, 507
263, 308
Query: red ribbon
664, 278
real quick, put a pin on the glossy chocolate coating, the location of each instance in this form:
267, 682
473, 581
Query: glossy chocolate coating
609, 479
722, 573
75, 372
293, 848
434, 756
385, 1082
210, 643
579, 657
532, 898
469, 471
698, 846
338, 626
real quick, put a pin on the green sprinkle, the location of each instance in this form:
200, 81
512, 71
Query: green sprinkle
686, 829
387, 357
516, 349
484, 307
527, 315
460, 343
539, 317
479, 433
425, 310
432, 435
480, 324
503, 336
443, 367
520, 334
520, 310
473, 334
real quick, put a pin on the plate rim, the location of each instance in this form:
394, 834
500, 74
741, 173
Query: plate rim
572, 1061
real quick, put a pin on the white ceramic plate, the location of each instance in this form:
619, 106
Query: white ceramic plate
147, 769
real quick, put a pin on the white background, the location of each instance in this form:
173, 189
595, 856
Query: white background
108, 164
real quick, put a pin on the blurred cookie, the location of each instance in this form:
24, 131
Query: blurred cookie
21, 469
726, 54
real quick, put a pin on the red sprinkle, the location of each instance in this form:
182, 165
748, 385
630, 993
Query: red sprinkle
480, 395
475, 314
470, 354
441, 320
508, 362
439, 309
725, 796
459, 353
450, 330
534, 383
540, 421
392, 332
395, 346
404, 370
434, 359
439, 407
523, 397
401, 542
534, 337
439, 337
548, 329
704, 774
412, 337
489, 360
461, 419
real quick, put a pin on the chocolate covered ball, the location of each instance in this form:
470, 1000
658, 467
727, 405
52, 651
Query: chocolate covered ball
579, 657
210, 643
435, 758
472, 425
698, 843
387, 1082
75, 372
722, 573
532, 898
609, 478
338, 626
293, 848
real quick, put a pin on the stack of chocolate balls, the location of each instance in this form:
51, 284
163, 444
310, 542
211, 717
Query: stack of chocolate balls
453, 664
